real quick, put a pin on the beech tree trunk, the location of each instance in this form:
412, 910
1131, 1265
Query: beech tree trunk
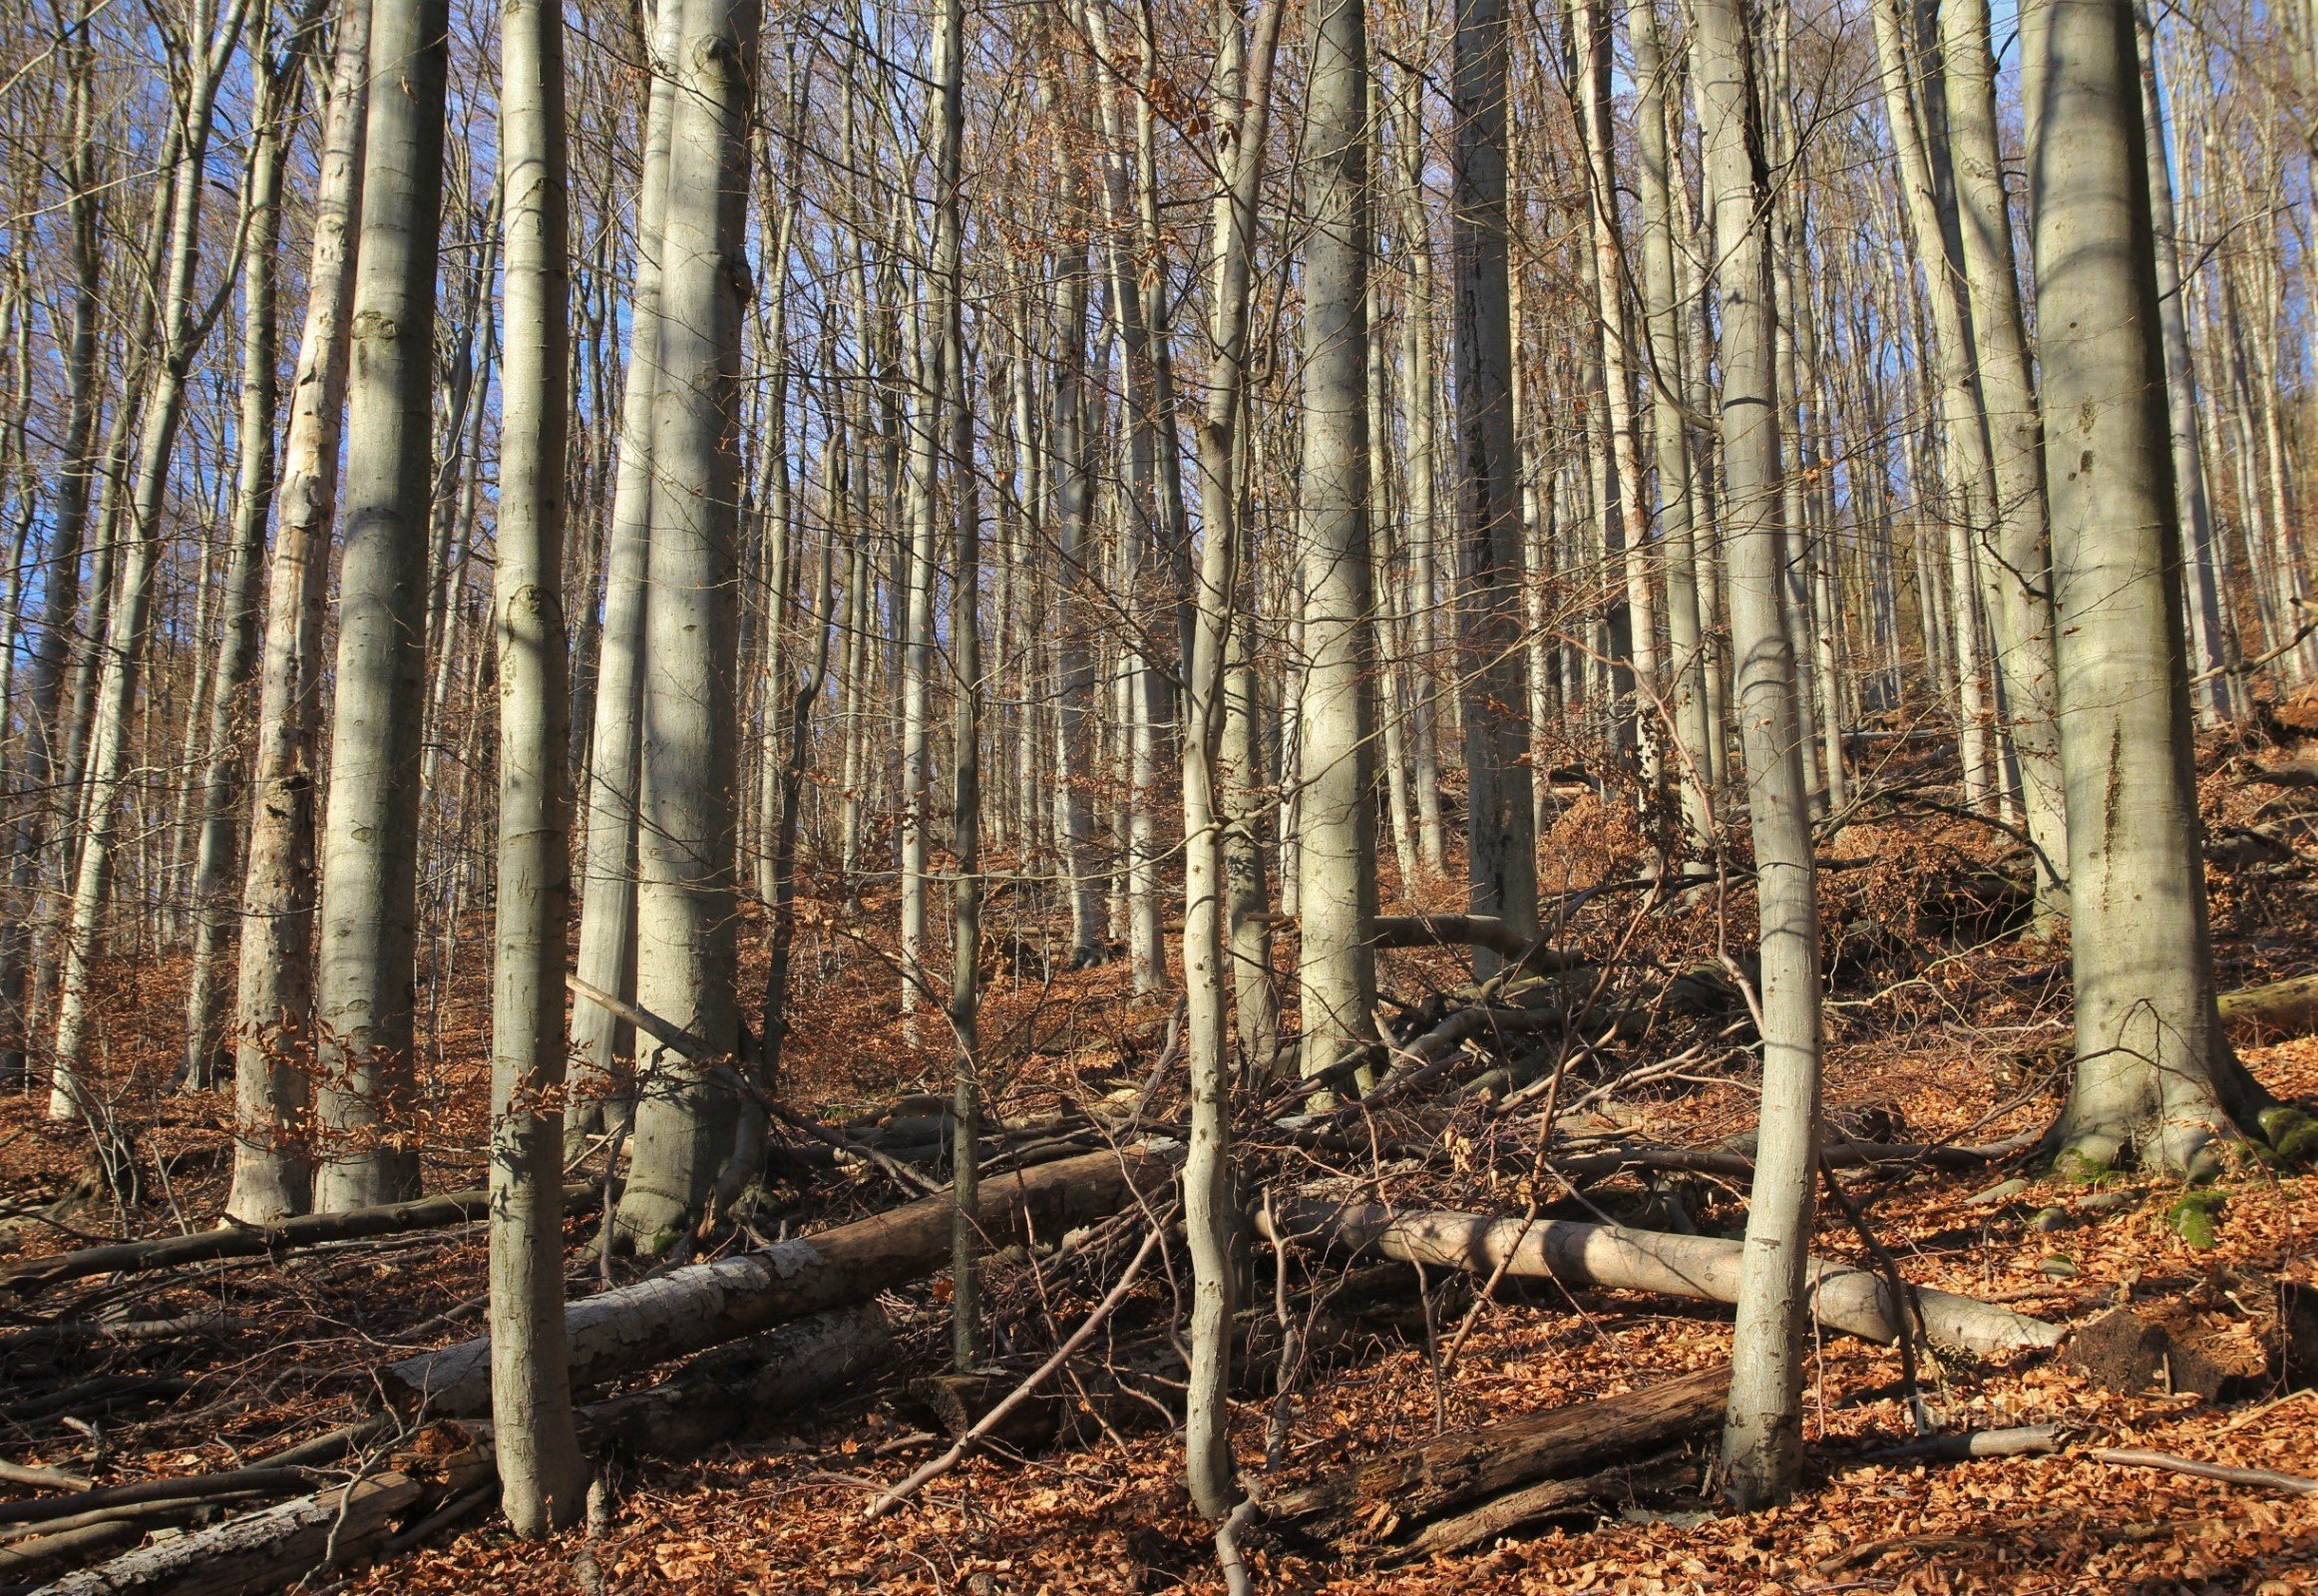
1336, 820
278, 83
1500, 808
686, 962
602, 1094
542, 1483
1763, 1435
1242, 120
369, 911
2155, 1078
273, 1008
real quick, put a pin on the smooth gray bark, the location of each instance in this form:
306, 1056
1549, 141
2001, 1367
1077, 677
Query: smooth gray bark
1241, 121
2155, 1078
369, 913
2015, 549
602, 1094
1336, 820
1763, 1434
686, 961
543, 1482
273, 1007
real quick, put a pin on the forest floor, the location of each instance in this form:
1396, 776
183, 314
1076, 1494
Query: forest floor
1941, 1021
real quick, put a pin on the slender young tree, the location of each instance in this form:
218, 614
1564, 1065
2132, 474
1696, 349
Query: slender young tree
1243, 106
2216, 690
2016, 549
276, 78
1763, 1433
1685, 658
542, 1481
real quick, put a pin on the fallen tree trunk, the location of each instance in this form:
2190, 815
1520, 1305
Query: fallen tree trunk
734, 1388
1468, 930
260, 1551
271, 1481
1375, 1499
252, 1241
616, 1333
1546, 1500
1705, 1268
2273, 1013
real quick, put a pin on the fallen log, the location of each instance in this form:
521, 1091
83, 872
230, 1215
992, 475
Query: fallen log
273, 1480
27, 1557
233, 1240
1375, 1499
1617, 1257
739, 1385
1545, 1500
2272, 1012
1468, 930
2025, 1441
616, 1333
258, 1551
2259, 1478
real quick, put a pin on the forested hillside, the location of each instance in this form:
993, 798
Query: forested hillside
1260, 795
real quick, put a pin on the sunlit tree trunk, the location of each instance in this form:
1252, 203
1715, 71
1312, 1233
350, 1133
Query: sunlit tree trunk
542, 1481
1762, 1433
214, 867
601, 1095
2155, 1078
1337, 823
369, 908
686, 961
273, 1008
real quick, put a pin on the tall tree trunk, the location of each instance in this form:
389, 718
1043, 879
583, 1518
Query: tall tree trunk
603, 1094
2217, 690
273, 1008
364, 1038
1336, 844
1243, 120
1763, 1434
686, 961
2155, 1077
1420, 394
214, 918
542, 1481
1590, 23
1500, 812
2016, 549
1685, 689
